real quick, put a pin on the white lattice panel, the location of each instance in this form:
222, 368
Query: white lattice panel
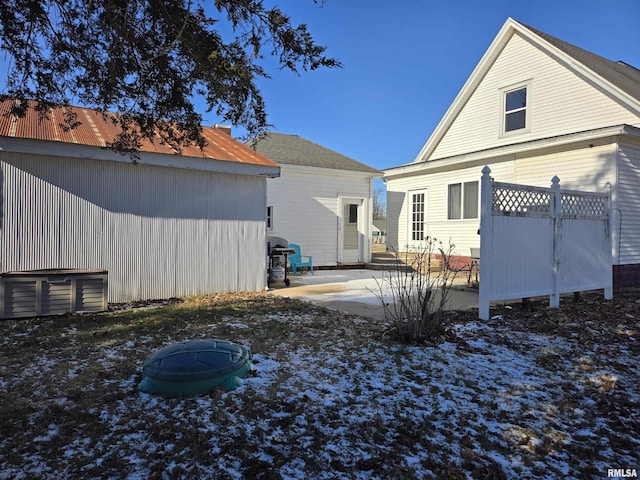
580, 205
519, 200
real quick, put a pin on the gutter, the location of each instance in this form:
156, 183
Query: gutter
69, 150
512, 149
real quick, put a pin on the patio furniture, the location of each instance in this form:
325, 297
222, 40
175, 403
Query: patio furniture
299, 261
475, 263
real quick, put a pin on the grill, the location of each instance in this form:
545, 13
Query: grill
277, 251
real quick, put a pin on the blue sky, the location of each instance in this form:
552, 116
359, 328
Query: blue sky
405, 61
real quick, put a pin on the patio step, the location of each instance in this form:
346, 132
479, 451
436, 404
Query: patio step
389, 261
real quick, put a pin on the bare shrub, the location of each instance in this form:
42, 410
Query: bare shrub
415, 292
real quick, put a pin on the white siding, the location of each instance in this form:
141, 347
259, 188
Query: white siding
462, 233
583, 168
579, 168
560, 103
159, 231
306, 208
629, 204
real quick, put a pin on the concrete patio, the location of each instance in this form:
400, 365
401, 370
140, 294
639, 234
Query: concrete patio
354, 291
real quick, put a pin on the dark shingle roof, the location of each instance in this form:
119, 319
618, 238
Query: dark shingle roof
295, 150
620, 74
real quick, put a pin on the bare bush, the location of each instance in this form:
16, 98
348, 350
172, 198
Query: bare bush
414, 294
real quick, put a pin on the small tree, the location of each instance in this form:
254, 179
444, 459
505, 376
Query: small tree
415, 293
379, 204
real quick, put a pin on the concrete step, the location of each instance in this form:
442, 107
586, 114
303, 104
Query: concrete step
391, 261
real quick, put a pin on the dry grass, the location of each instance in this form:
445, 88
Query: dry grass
329, 398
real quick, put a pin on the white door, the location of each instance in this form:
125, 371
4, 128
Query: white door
352, 241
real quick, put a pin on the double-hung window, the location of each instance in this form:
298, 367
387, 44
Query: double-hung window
462, 202
515, 108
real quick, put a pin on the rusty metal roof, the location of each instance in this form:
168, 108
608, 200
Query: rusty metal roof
96, 131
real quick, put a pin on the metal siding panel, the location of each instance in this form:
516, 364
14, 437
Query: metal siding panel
251, 266
191, 236
122, 239
158, 231
81, 217
157, 267
28, 229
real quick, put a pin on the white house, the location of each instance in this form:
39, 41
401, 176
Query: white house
321, 201
169, 225
534, 107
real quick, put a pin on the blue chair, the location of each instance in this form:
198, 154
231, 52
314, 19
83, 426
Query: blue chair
299, 261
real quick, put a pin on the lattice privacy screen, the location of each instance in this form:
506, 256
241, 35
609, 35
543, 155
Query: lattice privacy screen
576, 205
515, 200
528, 201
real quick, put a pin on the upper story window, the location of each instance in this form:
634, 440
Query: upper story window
515, 107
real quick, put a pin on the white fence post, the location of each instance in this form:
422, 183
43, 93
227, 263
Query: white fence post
612, 229
486, 243
556, 214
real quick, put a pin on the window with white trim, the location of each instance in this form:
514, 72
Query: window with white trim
418, 210
462, 201
353, 213
270, 217
516, 108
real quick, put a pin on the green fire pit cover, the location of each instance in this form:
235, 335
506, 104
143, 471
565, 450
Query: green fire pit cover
194, 367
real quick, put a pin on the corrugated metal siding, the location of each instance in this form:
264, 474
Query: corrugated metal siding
560, 103
629, 204
315, 194
160, 232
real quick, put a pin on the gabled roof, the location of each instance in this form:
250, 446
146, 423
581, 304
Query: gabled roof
619, 79
620, 74
95, 131
295, 150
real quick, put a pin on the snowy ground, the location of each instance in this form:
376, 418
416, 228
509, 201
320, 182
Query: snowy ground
525, 395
